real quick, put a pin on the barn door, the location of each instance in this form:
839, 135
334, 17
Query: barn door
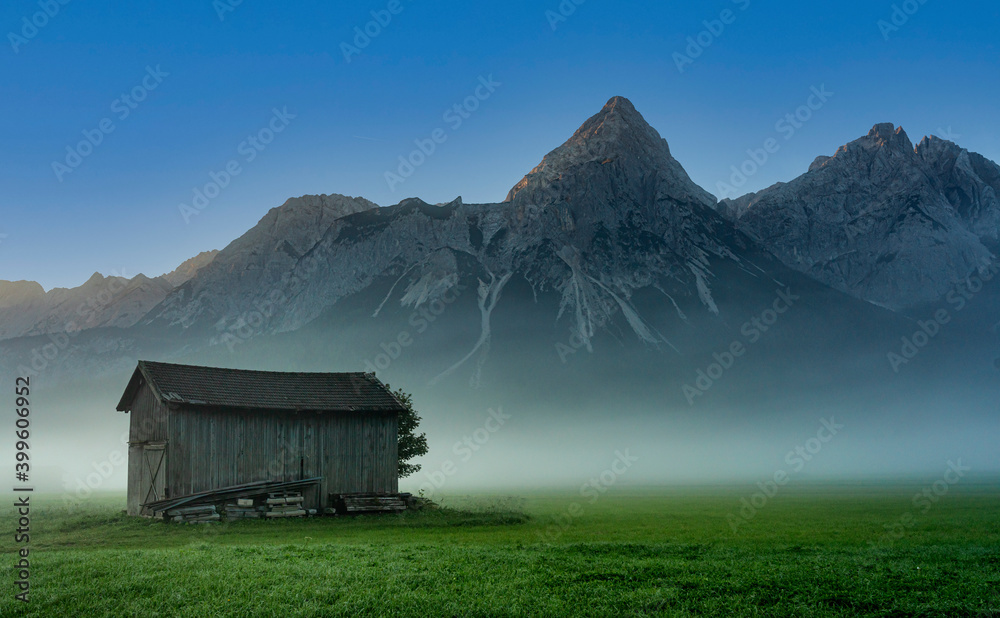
154, 473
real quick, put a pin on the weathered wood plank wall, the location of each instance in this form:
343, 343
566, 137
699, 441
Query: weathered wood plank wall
354, 452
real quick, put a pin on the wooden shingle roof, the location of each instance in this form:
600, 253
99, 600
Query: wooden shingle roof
260, 390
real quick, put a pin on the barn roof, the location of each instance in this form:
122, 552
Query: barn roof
260, 390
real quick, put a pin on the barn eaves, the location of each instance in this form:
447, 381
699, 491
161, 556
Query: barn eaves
214, 387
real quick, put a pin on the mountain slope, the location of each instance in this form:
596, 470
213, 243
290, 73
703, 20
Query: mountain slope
969, 181
257, 260
190, 268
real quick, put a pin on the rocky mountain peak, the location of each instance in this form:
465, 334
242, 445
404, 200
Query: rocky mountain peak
619, 125
95, 279
296, 225
884, 141
886, 134
933, 147
618, 144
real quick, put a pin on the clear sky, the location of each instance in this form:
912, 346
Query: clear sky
208, 83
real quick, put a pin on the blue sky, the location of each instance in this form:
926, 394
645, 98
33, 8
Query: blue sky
208, 84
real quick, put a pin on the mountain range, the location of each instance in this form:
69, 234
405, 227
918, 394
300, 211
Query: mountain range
606, 262
26, 309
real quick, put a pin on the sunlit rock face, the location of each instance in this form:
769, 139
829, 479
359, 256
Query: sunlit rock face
27, 310
190, 268
881, 220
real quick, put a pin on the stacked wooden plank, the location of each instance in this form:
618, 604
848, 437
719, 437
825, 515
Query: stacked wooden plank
244, 509
161, 508
193, 514
285, 504
368, 503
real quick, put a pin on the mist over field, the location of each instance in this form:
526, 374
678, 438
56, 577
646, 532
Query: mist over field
544, 423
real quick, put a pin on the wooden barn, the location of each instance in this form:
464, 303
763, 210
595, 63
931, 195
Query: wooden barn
196, 429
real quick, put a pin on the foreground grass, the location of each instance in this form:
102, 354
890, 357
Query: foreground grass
813, 551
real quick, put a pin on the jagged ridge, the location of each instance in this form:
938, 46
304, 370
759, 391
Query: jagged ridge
881, 220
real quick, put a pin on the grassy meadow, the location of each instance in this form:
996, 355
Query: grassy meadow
812, 550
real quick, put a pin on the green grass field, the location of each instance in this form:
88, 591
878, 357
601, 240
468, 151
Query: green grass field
813, 550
